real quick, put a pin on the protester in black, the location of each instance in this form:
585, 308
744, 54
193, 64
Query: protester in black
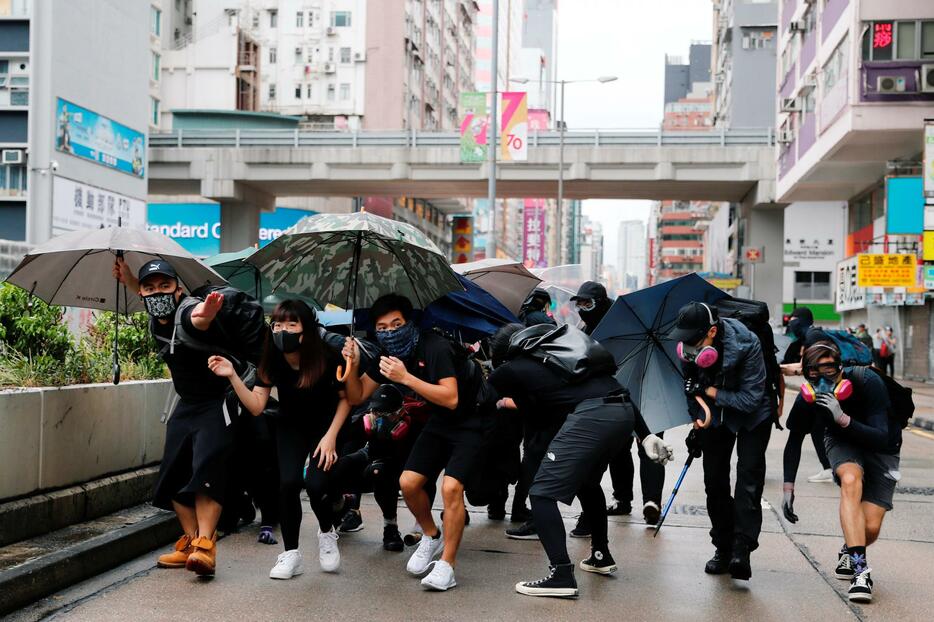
534, 309
595, 417
427, 365
312, 411
198, 441
592, 304
863, 446
723, 363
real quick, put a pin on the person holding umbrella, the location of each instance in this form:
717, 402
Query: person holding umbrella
723, 365
194, 469
425, 364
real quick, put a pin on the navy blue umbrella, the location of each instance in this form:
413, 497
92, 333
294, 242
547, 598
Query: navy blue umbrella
635, 331
471, 314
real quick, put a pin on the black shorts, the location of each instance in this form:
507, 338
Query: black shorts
880, 470
594, 433
453, 449
198, 444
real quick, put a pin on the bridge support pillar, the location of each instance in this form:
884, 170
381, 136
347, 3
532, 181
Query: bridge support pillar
764, 227
241, 205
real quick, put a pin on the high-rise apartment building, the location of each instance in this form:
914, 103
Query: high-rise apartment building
681, 76
630, 264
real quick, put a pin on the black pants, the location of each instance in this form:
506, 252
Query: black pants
888, 365
535, 442
651, 475
737, 518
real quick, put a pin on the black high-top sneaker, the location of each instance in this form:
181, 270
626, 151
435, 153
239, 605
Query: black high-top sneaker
600, 562
861, 587
559, 583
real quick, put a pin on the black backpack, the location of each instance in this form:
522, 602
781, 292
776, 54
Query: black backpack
902, 405
754, 315
567, 350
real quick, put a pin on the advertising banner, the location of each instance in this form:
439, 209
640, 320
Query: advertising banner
473, 123
848, 294
86, 134
462, 239
887, 270
514, 130
928, 246
82, 206
928, 277
929, 158
533, 233
904, 206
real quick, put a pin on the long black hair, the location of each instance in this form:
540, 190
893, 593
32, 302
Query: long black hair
313, 352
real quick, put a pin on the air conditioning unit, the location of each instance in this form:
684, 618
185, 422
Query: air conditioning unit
890, 84
331, 31
798, 25
927, 78
330, 68
359, 57
791, 104
12, 156
786, 136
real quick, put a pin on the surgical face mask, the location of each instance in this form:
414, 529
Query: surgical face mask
400, 342
287, 342
160, 306
704, 357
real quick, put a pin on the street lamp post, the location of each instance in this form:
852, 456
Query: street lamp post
562, 126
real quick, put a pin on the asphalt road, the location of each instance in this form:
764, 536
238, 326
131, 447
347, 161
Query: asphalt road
658, 578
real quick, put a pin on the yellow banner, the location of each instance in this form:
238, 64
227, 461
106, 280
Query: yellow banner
887, 270
928, 253
725, 283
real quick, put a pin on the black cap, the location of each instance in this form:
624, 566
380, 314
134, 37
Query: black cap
538, 294
804, 314
694, 320
590, 290
386, 399
157, 266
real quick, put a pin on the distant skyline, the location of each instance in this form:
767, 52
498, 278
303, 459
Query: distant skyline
628, 39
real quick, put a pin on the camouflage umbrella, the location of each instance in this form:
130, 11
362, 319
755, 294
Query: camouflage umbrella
350, 260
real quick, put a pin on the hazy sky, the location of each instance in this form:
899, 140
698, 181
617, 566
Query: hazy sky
627, 39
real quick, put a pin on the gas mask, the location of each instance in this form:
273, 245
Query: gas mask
841, 390
386, 425
704, 357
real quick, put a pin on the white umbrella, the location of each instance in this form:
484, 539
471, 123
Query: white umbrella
507, 280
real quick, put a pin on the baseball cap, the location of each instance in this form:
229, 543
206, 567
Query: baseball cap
157, 266
590, 290
386, 399
694, 320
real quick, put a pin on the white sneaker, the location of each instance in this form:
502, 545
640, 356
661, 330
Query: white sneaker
441, 577
288, 565
428, 549
329, 557
824, 476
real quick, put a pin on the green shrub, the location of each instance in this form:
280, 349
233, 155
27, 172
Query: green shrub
31, 327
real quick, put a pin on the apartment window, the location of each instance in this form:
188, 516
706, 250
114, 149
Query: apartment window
330, 92
273, 19
310, 57
298, 55
902, 40
812, 286
308, 91
345, 55
758, 39
906, 40
255, 20
298, 91
300, 19
155, 21
4, 67
272, 91
340, 19
155, 65
345, 91
272, 56
835, 67
927, 39
154, 110
311, 19
13, 179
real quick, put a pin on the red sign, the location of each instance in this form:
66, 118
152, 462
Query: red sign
753, 254
462, 238
882, 35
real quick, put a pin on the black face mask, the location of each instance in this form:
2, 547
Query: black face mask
287, 342
160, 306
594, 315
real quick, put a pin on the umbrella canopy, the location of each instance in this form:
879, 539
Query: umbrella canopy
74, 269
350, 260
473, 313
562, 309
508, 281
635, 330
247, 278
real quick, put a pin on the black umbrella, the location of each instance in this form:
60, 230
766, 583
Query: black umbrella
635, 331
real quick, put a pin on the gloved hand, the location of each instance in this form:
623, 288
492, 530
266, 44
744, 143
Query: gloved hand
693, 387
830, 403
693, 443
788, 503
657, 450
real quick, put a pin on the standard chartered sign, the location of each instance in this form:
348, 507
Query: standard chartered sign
181, 231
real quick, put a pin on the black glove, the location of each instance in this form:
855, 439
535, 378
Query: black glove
788, 503
693, 387
693, 443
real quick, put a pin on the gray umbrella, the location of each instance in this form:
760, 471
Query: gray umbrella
75, 270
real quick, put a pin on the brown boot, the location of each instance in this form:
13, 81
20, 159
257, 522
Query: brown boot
203, 556
178, 557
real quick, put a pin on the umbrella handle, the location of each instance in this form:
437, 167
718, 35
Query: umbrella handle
708, 417
342, 375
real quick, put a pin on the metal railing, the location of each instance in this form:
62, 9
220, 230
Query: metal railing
296, 138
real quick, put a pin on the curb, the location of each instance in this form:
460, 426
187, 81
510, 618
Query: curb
28, 582
925, 424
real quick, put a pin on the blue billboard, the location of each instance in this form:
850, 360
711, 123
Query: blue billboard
86, 134
197, 226
904, 205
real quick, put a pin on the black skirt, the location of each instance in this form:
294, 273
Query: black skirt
198, 445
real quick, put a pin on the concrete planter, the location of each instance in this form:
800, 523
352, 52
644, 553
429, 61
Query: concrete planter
60, 436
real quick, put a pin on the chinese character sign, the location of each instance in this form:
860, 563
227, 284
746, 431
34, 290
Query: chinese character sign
887, 270
86, 134
849, 295
79, 206
882, 35
462, 239
474, 122
515, 128
533, 234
